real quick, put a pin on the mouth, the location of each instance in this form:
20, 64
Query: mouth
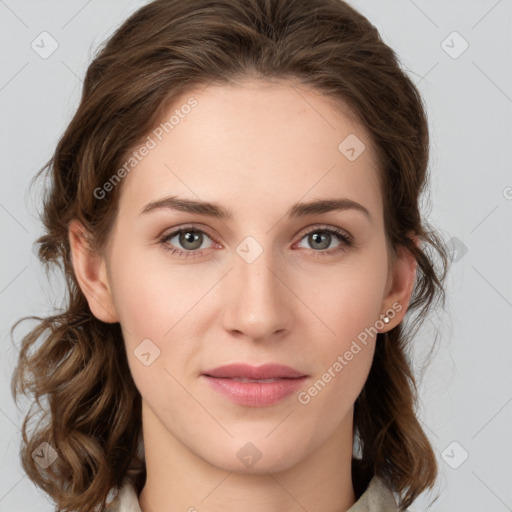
253, 386
254, 373
241, 379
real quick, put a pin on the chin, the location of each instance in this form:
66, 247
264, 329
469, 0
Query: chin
260, 456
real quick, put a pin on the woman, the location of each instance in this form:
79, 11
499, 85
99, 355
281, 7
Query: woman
235, 206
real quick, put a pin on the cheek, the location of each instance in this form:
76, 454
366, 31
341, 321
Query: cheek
346, 297
161, 313
343, 363
349, 303
152, 295
156, 329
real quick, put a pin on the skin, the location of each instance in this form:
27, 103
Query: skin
255, 148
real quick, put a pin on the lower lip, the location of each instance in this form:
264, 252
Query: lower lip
255, 394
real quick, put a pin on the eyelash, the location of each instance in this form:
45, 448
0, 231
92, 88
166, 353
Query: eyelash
342, 236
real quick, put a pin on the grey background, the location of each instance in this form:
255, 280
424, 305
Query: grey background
466, 391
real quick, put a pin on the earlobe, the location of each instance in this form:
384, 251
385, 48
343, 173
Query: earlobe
399, 293
91, 274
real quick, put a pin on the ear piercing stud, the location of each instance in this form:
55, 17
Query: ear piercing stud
386, 319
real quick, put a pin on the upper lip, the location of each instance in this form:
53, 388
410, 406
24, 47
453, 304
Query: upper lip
265, 371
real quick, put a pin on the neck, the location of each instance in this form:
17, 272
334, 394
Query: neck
180, 480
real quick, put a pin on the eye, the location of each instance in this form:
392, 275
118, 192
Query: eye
321, 240
191, 240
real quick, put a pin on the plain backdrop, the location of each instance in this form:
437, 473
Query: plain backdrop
458, 54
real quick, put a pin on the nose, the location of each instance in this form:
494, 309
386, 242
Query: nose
258, 304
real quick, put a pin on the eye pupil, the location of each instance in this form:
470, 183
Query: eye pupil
316, 238
191, 237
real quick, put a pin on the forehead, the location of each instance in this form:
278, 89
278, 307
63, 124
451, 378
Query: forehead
255, 146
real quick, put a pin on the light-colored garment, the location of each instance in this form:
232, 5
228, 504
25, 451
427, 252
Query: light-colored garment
376, 498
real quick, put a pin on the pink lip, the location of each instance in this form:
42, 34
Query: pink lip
286, 380
265, 371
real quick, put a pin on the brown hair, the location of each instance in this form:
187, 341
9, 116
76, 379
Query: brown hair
92, 409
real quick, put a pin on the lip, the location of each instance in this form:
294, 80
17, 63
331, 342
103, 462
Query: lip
227, 380
246, 371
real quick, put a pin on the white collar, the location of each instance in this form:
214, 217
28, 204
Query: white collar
376, 498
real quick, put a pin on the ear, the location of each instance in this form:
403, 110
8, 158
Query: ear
400, 286
91, 273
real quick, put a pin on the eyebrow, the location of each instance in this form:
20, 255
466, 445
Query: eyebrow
217, 211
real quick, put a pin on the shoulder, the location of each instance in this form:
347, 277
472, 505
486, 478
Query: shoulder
376, 498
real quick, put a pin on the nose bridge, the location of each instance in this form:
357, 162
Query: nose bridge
257, 305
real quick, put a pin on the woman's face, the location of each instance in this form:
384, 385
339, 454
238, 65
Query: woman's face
257, 286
